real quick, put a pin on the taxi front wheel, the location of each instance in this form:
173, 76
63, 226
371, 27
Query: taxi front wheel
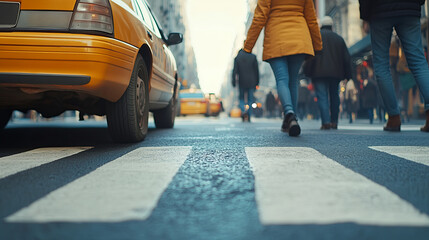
127, 119
4, 118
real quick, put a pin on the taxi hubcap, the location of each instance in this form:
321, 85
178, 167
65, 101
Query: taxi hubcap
140, 98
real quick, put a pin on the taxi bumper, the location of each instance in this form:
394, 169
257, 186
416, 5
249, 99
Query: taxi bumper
95, 65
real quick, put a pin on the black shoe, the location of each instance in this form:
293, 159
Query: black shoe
245, 117
290, 125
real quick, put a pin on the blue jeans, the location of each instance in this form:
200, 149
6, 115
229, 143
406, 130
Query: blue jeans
243, 92
409, 32
328, 99
286, 71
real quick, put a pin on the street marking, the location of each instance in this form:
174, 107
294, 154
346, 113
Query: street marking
302, 186
23, 161
412, 153
404, 128
127, 188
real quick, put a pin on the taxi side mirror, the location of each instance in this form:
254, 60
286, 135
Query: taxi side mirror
174, 38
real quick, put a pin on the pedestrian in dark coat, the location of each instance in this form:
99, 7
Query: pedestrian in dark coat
326, 72
369, 98
404, 17
246, 73
270, 103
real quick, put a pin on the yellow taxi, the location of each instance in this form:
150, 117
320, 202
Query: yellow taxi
235, 112
215, 106
193, 101
101, 57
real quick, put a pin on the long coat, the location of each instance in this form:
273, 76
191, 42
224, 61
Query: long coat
290, 28
335, 62
246, 70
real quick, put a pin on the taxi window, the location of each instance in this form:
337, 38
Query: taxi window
154, 22
191, 95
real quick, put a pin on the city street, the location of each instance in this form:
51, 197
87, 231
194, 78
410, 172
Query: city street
214, 178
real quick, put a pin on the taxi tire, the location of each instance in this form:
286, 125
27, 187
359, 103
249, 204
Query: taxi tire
164, 118
124, 122
4, 118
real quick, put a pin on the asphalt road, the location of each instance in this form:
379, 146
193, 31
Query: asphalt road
214, 178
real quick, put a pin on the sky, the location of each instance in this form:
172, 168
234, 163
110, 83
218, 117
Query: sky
214, 25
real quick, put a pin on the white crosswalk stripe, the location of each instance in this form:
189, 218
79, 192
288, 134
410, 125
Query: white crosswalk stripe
23, 161
128, 188
412, 153
302, 186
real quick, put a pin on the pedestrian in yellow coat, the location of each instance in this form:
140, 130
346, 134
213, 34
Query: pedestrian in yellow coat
291, 34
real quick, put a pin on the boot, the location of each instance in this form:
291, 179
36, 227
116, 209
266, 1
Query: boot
425, 128
290, 125
334, 126
393, 124
326, 126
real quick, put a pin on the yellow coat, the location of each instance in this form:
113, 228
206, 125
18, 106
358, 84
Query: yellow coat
290, 28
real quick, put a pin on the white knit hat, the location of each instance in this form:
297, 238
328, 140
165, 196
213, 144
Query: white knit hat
327, 21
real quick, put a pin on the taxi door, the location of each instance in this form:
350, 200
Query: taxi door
162, 81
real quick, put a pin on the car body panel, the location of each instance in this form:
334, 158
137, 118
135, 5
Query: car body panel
107, 60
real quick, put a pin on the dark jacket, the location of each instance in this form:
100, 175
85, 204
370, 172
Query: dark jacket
334, 62
245, 70
376, 9
369, 95
270, 101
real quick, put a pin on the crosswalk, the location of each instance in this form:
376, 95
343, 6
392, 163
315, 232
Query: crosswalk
125, 189
20, 162
293, 185
302, 186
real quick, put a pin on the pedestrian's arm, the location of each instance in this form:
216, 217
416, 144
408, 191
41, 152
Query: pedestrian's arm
310, 17
259, 20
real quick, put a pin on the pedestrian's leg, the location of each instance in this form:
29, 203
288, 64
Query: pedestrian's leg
250, 99
322, 92
334, 96
241, 99
295, 63
281, 73
409, 32
381, 33
371, 115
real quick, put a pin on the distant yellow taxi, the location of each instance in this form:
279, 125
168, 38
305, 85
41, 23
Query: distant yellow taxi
101, 57
193, 101
215, 106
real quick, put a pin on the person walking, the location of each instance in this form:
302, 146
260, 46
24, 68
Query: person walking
326, 72
351, 97
369, 98
404, 17
303, 99
291, 34
246, 73
270, 104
